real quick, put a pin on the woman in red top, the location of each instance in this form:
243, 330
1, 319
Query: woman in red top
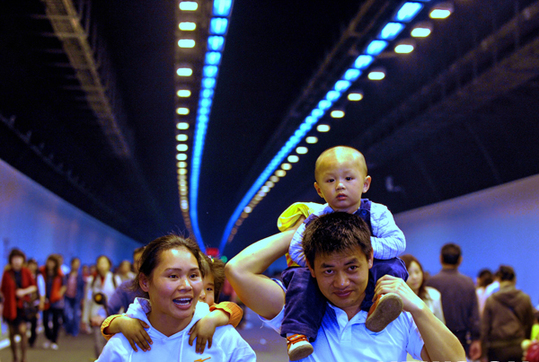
53, 300
17, 284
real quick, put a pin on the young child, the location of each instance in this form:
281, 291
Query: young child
341, 178
221, 314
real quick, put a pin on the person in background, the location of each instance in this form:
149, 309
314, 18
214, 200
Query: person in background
17, 284
483, 280
124, 271
507, 319
99, 289
32, 265
73, 297
417, 282
53, 300
126, 292
459, 301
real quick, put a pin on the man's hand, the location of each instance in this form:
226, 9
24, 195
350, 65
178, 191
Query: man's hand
390, 284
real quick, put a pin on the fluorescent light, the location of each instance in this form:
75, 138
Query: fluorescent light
182, 111
404, 47
183, 93
323, 128
337, 113
184, 72
442, 10
186, 43
376, 47
181, 137
408, 11
390, 31
355, 96
188, 5
421, 29
182, 125
187, 26
377, 74
311, 140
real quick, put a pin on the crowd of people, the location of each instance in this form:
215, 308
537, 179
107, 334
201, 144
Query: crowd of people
349, 292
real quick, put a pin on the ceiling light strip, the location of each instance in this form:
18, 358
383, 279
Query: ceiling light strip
389, 31
212, 60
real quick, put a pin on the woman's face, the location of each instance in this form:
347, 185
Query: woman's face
415, 276
17, 262
50, 265
102, 265
208, 295
174, 289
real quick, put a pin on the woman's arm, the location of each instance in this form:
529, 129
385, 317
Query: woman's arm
244, 271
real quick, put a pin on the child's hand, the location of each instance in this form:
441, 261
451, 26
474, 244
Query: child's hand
202, 331
133, 330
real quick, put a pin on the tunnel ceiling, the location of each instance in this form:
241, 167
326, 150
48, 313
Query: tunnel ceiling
457, 115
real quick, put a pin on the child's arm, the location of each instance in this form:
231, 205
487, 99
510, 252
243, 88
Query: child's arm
388, 240
133, 329
221, 314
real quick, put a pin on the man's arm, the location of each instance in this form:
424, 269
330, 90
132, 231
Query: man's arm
440, 343
244, 272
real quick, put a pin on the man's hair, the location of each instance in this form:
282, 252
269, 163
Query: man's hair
506, 273
451, 253
138, 250
334, 233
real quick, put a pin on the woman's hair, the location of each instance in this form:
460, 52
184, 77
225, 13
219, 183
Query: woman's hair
55, 268
16, 252
408, 260
152, 253
484, 277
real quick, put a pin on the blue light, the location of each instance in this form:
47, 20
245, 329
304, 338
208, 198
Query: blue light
352, 74
203, 110
210, 71
222, 7
206, 93
363, 61
342, 85
317, 113
333, 95
323, 104
311, 120
213, 58
208, 83
408, 11
390, 31
376, 47
218, 26
205, 102
216, 43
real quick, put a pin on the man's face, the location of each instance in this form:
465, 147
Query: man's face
342, 278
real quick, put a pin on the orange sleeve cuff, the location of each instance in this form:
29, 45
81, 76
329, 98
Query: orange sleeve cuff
107, 323
233, 310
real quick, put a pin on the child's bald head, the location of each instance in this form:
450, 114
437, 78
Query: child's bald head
333, 157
